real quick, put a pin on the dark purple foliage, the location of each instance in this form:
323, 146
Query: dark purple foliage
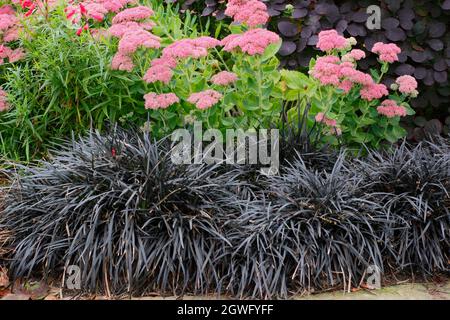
288, 29
287, 48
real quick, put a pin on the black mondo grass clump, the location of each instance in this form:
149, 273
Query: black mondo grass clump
135, 222
413, 184
116, 206
311, 230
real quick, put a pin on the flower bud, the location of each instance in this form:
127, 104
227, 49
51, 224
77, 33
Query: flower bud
414, 94
190, 119
351, 42
347, 58
394, 86
289, 8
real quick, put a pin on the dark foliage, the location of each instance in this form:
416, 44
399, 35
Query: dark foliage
311, 230
413, 184
116, 206
134, 222
296, 138
419, 27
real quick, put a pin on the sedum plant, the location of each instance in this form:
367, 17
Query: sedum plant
192, 79
93, 61
224, 83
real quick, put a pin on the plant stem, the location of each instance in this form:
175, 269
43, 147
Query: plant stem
221, 59
259, 83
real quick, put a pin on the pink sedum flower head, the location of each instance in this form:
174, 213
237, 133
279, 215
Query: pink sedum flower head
114, 5
92, 9
164, 61
119, 30
373, 91
346, 86
252, 42
357, 54
133, 31
327, 70
330, 39
96, 11
133, 14
224, 78
160, 101
183, 49
133, 40
206, 42
190, 48
250, 12
406, 84
390, 109
158, 72
205, 99
122, 62
7, 21
354, 55
4, 105
361, 78
348, 72
386, 52
321, 118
